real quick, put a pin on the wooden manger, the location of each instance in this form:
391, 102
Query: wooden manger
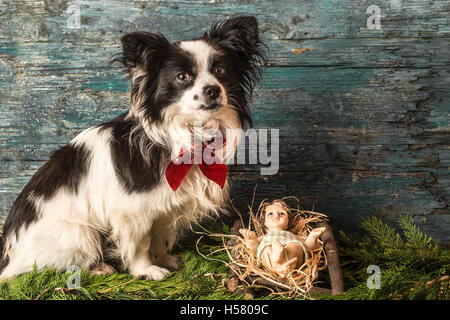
252, 278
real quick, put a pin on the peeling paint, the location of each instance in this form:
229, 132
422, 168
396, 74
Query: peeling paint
301, 50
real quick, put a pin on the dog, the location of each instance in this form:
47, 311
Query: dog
110, 184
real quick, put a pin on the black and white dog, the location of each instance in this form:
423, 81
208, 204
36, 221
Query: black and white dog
109, 183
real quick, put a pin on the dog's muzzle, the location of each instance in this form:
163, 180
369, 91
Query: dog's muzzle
211, 95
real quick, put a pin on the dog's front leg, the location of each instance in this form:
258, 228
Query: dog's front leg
134, 250
163, 237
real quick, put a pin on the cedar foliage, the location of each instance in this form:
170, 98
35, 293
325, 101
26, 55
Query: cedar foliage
412, 266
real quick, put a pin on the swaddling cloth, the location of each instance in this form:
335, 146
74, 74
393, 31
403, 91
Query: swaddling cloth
284, 237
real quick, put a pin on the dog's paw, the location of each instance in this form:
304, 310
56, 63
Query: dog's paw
101, 268
171, 262
154, 273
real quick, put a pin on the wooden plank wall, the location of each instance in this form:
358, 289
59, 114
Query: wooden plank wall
363, 114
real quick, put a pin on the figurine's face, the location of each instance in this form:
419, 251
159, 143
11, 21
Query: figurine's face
276, 217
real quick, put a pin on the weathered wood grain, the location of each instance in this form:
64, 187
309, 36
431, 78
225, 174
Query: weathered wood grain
363, 114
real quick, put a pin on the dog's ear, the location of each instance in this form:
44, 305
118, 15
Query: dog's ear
142, 51
239, 34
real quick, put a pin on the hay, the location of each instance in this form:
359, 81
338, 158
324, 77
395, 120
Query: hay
252, 272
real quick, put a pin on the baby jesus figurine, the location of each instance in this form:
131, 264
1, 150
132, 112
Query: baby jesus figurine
279, 249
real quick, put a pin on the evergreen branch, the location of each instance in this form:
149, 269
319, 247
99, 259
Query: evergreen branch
383, 235
415, 238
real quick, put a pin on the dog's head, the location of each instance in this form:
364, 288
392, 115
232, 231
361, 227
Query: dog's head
194, 79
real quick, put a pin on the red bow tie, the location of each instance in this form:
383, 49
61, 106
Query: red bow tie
214, 170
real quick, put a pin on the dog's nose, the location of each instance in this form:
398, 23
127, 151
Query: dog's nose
211, 91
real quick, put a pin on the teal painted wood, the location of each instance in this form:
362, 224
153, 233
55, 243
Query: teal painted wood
363, 114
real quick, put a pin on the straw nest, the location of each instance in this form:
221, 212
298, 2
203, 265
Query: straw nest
252, 272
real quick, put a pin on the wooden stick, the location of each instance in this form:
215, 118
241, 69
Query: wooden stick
334, 267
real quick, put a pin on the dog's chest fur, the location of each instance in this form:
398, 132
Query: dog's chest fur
134, 187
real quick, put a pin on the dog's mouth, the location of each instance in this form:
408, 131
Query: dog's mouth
210, 107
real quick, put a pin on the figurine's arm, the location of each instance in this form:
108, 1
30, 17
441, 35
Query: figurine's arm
250, 239
311, 241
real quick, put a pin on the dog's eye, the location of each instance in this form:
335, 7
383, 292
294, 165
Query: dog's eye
183, 77
219, 70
